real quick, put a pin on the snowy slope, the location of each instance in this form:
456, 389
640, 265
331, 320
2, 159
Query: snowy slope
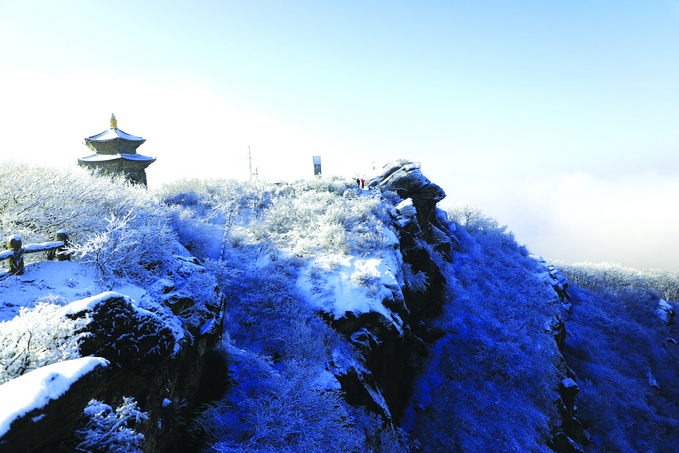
58, 282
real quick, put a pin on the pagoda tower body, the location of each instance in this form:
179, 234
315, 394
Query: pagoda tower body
116, 153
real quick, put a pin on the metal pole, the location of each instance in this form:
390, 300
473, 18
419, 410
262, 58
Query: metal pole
250, 159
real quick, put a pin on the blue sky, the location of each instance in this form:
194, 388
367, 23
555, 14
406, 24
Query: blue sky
559, 119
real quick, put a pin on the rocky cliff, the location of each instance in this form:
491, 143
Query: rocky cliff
390, 351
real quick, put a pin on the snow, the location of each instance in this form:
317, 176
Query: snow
406, 208
114, 133
134, 292
107, 157
325, 380
32, 248
391, 238
66, 281
207, 327
664, 311
568, 383
36, 389
89, 303
651, 380
6, 254
341, 284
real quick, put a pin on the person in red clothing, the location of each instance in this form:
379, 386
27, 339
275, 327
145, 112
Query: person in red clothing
362, 183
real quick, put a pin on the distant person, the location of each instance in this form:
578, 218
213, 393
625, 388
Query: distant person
358, 183
362, 183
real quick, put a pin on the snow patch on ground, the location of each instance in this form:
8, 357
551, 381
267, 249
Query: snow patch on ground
325, 380
60, 282
66, 282
340, 284
46, 281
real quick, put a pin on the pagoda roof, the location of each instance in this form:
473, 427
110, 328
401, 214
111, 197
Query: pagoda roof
109, 157
114, 133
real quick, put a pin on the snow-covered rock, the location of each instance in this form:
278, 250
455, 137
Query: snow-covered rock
47, 401
665, 311
120, 331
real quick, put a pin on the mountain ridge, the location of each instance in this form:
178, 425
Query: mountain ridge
371, 320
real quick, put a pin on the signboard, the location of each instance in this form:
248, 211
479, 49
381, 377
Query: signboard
317, 165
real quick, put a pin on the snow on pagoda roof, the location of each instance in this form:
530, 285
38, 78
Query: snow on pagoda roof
107, 157
114, 133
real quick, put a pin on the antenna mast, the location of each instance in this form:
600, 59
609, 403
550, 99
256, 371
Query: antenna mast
250, 160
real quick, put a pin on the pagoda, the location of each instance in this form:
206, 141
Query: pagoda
116, 153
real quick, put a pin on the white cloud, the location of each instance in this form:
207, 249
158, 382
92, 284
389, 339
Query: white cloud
628, 218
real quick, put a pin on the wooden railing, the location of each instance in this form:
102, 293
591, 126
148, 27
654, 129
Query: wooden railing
15, 251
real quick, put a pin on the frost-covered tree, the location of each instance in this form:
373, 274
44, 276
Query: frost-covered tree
117, 225
279, 411
325, 221
101, 429
37, 337
614, 277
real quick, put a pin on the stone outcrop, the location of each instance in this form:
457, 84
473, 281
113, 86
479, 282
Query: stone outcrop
428, 223
130, 338
568, 433
155, 356
390, 349
41, 407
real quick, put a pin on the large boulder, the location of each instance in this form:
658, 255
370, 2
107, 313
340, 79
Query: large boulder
130, 337
418, 215
157, 357
40, 408
408, 181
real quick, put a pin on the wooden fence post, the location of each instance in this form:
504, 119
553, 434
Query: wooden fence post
16, 261
62, 235
60, 253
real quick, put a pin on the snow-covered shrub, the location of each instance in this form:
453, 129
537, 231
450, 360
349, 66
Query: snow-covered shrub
183, 192
238, 237
260, 305
614, 277
324, 221
205, 293
129, 246
379, 437
490, 382
227, 196
192, 232
322, 184
627, 365
37, 337
317, 219
258, 194
471, 218
103, 216
42, 200
200, 205
269, 411
418, 281
101, 429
